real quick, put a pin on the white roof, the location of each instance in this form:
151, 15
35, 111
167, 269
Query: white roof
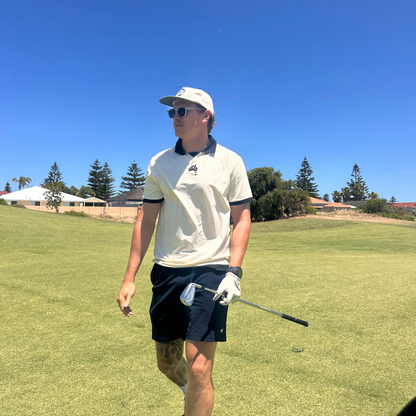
36, 193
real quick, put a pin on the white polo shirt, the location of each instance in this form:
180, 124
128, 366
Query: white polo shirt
195, 194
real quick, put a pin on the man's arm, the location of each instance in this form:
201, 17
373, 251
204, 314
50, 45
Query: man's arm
142, 234
241, 232
229, 288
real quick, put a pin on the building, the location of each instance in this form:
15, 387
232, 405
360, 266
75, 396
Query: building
35, 196
133, 198
355, 204
335, 206
94, 202
324, 206
407, 206
317, 203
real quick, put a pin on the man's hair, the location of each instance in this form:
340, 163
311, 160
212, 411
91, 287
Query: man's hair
211, 121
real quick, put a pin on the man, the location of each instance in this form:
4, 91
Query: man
192, 188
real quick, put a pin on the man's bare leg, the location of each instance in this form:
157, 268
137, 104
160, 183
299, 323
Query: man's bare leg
171, 362
200, 361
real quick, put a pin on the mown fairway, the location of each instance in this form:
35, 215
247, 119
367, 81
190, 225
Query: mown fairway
65, 349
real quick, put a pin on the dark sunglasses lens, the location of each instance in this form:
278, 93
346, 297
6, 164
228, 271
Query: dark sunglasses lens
181, 111
171, 113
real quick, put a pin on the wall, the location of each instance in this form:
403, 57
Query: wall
102, 212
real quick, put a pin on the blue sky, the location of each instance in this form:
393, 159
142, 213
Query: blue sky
334, 81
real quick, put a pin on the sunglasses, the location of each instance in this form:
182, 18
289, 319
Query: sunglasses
182, 112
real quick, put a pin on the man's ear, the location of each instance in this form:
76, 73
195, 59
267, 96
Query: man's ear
207, 116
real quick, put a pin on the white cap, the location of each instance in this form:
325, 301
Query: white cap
190, 94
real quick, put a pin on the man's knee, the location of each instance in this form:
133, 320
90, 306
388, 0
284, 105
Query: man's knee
200, 369
169, 356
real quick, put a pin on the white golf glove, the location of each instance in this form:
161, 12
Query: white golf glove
229, 289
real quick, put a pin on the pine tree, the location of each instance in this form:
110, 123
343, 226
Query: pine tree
53, 195
393, 200
54, 175
357, 187
304, 179
107, 182
95, 178
8, 188
326, 197
134, 179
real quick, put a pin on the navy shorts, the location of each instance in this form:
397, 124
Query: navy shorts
204, 320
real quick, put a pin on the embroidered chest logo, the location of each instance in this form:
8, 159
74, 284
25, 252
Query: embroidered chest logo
193, 168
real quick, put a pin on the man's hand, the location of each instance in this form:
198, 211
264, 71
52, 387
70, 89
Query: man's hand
229, 289
127, 291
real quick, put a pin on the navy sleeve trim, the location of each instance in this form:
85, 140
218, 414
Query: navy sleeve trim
153, 201
244, 201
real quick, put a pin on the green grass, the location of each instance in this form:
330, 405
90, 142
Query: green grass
65, 349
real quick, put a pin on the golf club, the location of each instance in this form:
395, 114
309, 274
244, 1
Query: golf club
188, 295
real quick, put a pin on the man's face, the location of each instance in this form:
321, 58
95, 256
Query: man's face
191, 125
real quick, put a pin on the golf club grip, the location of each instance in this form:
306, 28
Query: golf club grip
296, 320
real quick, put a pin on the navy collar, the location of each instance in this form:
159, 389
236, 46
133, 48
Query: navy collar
211, 146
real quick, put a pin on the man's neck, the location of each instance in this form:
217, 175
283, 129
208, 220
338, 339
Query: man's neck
195, 144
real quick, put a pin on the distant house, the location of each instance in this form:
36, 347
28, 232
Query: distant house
335, 206
355, 204
94, 202
407, 206
324, 206
317, 203
133, 198
3, 193
35, 196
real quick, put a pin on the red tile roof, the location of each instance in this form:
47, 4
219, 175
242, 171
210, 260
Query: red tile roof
3, 193
317, 200
405, 204
337, 205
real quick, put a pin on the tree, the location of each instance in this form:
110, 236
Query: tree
85, 192
326, 197
346, 194
357, 186
22, 181
134, 178
373, 195
8, 188
304, 179
107, 181
393, 200
53, 195
268, 192
54, 176
375, 205
95, 178
73, 190
295, 200
336, 196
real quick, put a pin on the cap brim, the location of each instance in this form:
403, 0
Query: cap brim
170, 99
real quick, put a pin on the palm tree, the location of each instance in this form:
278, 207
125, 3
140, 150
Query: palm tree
22, 181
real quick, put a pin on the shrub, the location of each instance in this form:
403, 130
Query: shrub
19, 206
3, 202
309, 209
76, 213
375, 205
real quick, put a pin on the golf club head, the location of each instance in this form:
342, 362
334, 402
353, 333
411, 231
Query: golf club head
188, 294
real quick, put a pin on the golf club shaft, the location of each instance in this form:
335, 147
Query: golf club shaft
284, 316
